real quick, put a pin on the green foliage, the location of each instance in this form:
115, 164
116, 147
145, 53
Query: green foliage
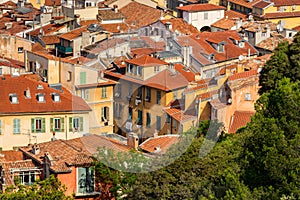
48, 189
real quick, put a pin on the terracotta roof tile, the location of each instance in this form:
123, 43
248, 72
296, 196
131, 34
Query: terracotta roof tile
146, 14
200, 7
19, 84
109, 14
181, 116
50, 39
11, 155
281, 15
52, 2
297, 28
262, 4
231, 14
239, 119
286, 2
272, 42
47, 29
159, 144
74, 33
12, 63
225, 24
181, 26
244, 3
242, 75
187, 73
146, 61
136, 52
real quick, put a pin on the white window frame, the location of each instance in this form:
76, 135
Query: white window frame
57, 122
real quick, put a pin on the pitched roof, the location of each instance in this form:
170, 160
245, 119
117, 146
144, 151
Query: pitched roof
52, 2
50, 39
225, 24
286, 2
17, 85
187, 73
47, 29
11, 155
146, 14
181, 116
297, 28
181, 26
12, 63
281, 15
231, 14
159, 144
200, 7
241, 75
244, 3
109, 14
272, 42
239, 119
74, 152
74, 33
146, 61
262, 4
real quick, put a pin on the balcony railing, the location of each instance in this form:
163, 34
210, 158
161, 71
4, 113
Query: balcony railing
63, 49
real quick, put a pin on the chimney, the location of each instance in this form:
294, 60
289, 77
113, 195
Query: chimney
132, 140
35, 149
116, 8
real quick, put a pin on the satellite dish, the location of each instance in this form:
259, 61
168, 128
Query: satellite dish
241, 57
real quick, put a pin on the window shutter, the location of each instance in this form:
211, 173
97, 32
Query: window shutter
51, 125
43, 125
107, 113
32, 125
0, 127
62, 124
18, 125
81, 123
70, 124
102, 114
15, 125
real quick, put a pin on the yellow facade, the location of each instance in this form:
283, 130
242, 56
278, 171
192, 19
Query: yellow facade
37, 3
19, 130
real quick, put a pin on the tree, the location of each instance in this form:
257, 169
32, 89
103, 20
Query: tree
50, 188
284, 63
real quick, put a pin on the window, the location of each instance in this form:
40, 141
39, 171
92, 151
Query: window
27, 178
0, 71
85, 180
85, 94
148, 123
175, 94
57, 124
158, 123
129, 114
158, 97
139, 71
13, 98
247, 96
82, 77
156, 69
75, 124
41, 97
139, 120
20, 49
16, 123
37, 125
93, 39
140, 93
38, 2
104, 90
168, 118
205, 16
56, 97
174, 124
69, 76
148, 94
119, 91
105, 114
0, 127
221, 47
130, 68
118, 110
45, 73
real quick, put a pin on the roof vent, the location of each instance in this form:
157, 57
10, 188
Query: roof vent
40, 87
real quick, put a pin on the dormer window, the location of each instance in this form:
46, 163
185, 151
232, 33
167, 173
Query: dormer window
40, 87
129, 68
40, 97
211, 57
56, 97
221, 47
242, 44
13, 98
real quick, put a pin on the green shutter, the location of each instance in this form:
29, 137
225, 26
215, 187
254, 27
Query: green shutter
62, 124
51, 125
102, 114
82, 77
15, 125
19, 125
43, 125
70, 124
32, 125
81, 123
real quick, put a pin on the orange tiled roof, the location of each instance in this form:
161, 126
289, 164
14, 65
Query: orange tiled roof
187, 73
142, 51
11, 155
276, 15
200, 7
109, 14
47, 29
181, 116
286, 2
160, 142
181, 26
262, 4
231, 14
225, 24
73, 34
74, 152
245, 74
50, 39
244, 3
52, 2
19, 84
297, 28
272, 42
239, 119
146, 61
12, 63
146, 14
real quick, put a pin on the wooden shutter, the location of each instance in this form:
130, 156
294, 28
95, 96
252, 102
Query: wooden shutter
81, 123
32, 125
62, 124
43, 125
51, 125
71, 124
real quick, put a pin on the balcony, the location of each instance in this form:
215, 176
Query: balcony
64, 50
